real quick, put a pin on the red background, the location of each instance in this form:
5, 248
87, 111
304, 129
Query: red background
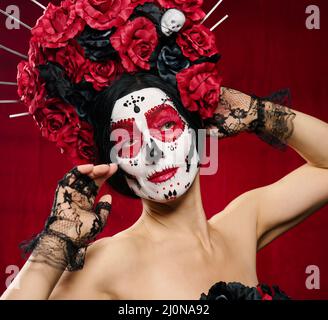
265, 46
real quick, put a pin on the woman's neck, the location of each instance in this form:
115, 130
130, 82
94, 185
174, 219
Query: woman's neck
184, 217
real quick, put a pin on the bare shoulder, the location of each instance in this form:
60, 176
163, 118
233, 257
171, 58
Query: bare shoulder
106, 260
239, 214
244, 204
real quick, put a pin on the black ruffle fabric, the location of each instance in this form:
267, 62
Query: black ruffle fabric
282, 121
236, 291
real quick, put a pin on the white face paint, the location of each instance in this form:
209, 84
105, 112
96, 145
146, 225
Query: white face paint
172, 21
154, 146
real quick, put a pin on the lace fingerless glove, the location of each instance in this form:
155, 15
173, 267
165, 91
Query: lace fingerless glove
274, 121
72, 225
270, 118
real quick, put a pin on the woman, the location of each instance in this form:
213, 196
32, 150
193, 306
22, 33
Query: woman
172, 251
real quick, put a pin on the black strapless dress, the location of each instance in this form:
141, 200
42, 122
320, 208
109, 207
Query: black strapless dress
234, 291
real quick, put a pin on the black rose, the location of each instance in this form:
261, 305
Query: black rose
151, 12
96, 44
58, 86
170, 62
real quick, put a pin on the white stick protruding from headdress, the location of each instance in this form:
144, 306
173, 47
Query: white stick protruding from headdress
8, 83
212, 10
9, 101
14, 18
218, 23
13, 52
39, 4
19, 115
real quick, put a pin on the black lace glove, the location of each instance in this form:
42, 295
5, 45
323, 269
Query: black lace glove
72, 224
270, 118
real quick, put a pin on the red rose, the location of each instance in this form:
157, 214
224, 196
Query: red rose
191, 8
58, 25
38, 100
102, 74
53, 117
35, 54
135, 43
199, 87
84, 149
104, 14
27, 82
71, 58
196, 42
66, 140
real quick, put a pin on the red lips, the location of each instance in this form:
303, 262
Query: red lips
163, 175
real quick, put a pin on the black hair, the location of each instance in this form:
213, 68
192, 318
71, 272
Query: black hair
102, 108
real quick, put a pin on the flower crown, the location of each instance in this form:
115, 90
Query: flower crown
80, 47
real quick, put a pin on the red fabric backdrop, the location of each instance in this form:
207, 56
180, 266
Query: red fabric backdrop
265, 46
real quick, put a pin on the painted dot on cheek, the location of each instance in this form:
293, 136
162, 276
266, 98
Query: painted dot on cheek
163, 188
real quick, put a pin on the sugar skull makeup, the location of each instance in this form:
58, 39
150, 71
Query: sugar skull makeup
154, 145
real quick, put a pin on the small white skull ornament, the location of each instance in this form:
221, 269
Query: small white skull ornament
172, 21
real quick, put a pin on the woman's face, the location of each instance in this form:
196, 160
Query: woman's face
154, 145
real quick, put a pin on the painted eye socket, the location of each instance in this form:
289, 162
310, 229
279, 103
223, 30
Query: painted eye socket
165, 123
128, 139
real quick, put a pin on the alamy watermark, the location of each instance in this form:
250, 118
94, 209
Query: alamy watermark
10, 23
313, 19
312, 282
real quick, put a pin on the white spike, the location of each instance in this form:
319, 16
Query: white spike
14, 18
9, 101
8, 83
13, 52
212, 10
218, 23
19, 115
39, 4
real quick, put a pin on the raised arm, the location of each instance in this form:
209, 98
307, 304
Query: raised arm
73, 223
285, 203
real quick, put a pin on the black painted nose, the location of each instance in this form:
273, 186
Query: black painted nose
153, 152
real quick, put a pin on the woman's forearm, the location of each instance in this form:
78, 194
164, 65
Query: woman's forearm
276, 124
41, 272
307, 135
310, 139
35, 281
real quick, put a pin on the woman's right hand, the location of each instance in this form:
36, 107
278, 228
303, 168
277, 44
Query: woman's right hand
75, 220
74, 213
